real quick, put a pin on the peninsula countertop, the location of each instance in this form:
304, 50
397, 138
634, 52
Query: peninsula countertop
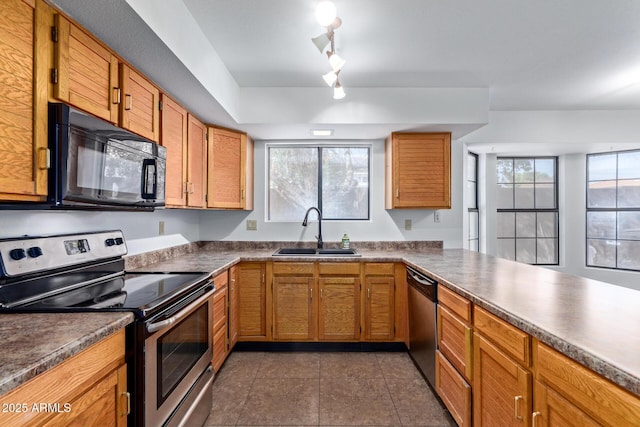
594, 323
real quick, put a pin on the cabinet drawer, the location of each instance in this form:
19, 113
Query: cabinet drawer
219, 308
454, 391
378, 269
343, 268
510, 339
454, 341
298, 268
455, 303
596, 396
221, 280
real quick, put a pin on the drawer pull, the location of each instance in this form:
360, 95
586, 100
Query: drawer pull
534, 418
311, 289
116, 95
128, 396
516, 407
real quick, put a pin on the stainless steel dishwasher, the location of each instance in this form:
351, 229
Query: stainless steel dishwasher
422, 322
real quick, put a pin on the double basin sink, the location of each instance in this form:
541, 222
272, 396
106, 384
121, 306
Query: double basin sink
314, 252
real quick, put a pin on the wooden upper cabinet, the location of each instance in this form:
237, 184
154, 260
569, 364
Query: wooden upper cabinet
139, 104
418, 171
173, 136
24, 65
86, 72
197, 162
230, 174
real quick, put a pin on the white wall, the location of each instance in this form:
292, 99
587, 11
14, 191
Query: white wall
383, 225
141, 229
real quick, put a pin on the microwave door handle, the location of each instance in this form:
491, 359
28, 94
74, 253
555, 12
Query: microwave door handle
149, 179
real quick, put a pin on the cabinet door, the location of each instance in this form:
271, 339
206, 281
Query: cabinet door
454, 391
227, 174
501, 388
339, 308
23, 96
219, 348
454, 341
87, 72
197, 161
220, 308
418, 170
550, 409
233, 307
173, 136
380, 301
251, 301
294, 316
140, 104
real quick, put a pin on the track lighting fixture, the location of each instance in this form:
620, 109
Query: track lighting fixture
326, 16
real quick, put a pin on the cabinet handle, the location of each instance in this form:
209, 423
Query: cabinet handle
116, 95
516, 407
128, 396
368, 293
320, 293
129, 102
311, 293
242, 194
534, 418
397, 192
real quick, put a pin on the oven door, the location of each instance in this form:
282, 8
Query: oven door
178, 350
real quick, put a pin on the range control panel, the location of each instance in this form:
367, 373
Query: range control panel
26, 255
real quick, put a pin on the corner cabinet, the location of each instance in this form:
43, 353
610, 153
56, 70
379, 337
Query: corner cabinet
230, 171
418, 171
24, 65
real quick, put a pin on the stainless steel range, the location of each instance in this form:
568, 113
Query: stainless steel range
170, 343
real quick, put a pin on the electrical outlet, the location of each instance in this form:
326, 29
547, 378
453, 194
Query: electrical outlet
161, 228
436, 216
252, 224
407, 224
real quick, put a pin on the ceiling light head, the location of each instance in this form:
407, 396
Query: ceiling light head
338, 91
325, 13
321, 41
322, 132
336, 62
330, 78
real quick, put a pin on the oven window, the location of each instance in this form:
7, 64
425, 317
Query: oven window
180, 349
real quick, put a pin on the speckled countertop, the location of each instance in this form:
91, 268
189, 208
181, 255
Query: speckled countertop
33, 343
595, 323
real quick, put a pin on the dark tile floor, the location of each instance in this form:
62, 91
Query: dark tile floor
323, 389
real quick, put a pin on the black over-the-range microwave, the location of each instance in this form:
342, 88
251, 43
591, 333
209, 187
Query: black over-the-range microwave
96, 165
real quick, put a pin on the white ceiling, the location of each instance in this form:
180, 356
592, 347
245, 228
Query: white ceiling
528, 55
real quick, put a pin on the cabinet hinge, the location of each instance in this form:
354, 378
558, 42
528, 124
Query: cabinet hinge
160, 105
54, 76
54, 34
206, 136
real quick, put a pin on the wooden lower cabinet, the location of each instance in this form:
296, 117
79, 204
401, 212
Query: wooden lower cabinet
454, 341
454, 391
233, 307
252, 301
220, 323
88, 389
379, 307
501, 387
294, 314
339, 309
552, 409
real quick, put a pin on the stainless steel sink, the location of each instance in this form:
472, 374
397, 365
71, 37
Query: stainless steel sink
311, 252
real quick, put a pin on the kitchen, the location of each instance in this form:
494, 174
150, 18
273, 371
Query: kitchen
545, 128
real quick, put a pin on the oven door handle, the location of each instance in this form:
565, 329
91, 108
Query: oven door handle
155, 327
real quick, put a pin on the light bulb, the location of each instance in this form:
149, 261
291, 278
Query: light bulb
336, 62
338, 92
330, 78
325, 13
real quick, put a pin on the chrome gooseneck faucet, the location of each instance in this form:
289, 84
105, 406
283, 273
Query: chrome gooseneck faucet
305, 220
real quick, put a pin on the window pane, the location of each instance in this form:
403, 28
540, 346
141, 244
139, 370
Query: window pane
629, 255
547, 224
629, 193
545, 196
547, 251
601, 253
345, 183
293, 182
523, 170
526, 250
525, 224
601, 194
507, 248
473, 225
628, 165
505, 171
471, 194
524, 196
506, 224
504, 196
601, 167
545, 170
629, 225
601, 225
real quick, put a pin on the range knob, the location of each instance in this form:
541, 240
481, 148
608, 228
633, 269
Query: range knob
17, 254
110, 242
34, 251
119, 240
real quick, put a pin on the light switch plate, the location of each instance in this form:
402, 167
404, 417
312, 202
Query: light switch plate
436, 216
252, 224
407, 224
